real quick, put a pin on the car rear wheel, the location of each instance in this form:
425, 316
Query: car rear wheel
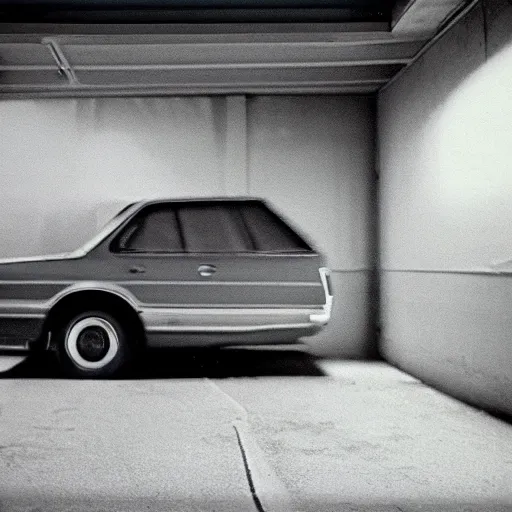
93, 344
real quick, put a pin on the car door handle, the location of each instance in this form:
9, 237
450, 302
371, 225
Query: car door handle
137, 270
207, 270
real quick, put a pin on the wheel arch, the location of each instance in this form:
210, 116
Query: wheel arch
80, 299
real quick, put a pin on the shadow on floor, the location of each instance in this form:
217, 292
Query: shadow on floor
213, 363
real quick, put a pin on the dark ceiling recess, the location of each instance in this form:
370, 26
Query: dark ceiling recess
193, 11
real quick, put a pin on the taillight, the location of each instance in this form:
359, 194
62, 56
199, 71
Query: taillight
328, 281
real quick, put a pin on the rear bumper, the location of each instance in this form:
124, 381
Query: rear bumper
324, 317
226, 339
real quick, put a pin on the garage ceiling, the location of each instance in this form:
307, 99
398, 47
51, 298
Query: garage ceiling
105, 48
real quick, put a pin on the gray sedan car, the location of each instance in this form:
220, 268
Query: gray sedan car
167, 273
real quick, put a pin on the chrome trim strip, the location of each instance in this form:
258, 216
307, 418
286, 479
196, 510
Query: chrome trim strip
219, 283
493, 271
81, 253
306, 254
35, 282
206, 307
40, 305
46, 305
227, 329
43, 305
229, 311
21, 315
17, 348
350, 270
166, 283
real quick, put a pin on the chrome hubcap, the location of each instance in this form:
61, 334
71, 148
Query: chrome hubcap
92, 342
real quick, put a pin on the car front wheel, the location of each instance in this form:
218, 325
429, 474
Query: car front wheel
92, 344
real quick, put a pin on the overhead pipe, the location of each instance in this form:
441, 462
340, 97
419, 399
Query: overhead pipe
62, 63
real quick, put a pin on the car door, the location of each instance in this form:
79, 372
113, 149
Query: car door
188, 260
248, 269
148, 255
183, 254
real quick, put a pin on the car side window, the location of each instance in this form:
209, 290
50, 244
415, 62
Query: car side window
213, 228
269, 233
153, 230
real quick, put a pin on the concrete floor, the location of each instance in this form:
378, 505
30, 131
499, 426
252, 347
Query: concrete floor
246, 430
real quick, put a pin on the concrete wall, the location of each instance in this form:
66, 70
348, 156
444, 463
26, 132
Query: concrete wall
68, 165
316, 160
445, 153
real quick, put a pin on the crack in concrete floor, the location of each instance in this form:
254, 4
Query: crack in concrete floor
269, 493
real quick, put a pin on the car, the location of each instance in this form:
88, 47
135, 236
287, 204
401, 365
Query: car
167, 273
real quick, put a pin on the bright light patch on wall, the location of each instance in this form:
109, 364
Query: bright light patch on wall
446, 159
470, 151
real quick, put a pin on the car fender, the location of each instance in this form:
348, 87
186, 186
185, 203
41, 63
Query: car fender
100, 286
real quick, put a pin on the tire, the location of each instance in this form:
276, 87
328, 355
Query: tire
93, 344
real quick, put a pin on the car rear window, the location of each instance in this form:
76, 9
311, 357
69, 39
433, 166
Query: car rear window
269, 233
228, 227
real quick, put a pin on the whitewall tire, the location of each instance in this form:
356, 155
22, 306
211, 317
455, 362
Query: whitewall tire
92, 344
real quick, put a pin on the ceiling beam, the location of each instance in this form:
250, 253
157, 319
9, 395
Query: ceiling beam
77, 12
194, 4
370, 87
70, 72
195, 29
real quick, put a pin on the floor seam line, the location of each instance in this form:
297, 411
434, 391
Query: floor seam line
248, 473
271, 493
238, 405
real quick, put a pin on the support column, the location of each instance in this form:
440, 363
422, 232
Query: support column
236, 180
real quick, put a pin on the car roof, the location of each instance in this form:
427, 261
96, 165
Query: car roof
136, 206
204, 199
